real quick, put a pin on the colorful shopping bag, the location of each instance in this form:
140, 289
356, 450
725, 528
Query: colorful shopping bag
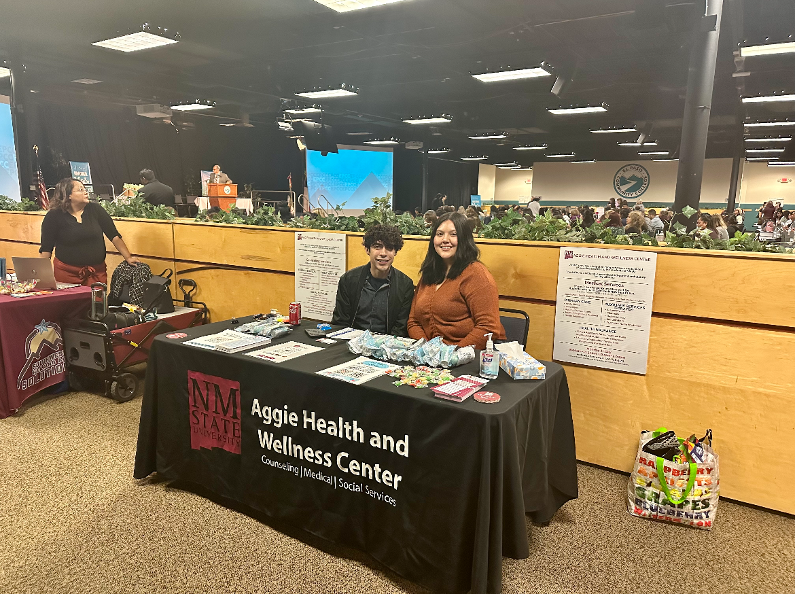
683, 493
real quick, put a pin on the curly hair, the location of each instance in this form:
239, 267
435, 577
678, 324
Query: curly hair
389, 235
63, 192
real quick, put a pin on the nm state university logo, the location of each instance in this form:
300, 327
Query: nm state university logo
631, 181
44, 356
214, 412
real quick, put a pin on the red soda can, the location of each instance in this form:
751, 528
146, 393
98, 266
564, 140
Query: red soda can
295, 313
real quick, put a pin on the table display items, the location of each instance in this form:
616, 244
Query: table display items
346, 334
419, 377
358, 371
487, 397
228, 341
270, 327
518, 364
675, 480
11, 287
489, 360
460, 388
285, 351
431, 353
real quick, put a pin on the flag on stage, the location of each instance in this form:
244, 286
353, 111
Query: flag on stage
290, 181
41, 188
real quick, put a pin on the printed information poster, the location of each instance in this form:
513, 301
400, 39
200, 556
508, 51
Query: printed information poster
603, 311
319, 264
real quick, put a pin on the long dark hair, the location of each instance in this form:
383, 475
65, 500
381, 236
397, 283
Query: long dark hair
432, 271
62, 197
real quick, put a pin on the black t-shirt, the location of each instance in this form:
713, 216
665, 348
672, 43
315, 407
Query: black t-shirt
77, 244
156, 193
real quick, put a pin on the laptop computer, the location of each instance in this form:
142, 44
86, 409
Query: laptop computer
40, 268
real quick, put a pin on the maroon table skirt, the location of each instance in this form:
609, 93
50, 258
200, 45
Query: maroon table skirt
31, 343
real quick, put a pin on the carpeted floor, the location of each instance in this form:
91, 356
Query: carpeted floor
72, 519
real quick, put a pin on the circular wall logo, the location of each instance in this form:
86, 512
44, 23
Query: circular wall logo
631, 181
228, 190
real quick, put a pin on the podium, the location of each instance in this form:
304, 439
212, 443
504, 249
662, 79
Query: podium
222, 195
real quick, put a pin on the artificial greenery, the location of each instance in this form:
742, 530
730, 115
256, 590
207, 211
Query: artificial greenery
137, 208
381, 213
7, 203
220, 216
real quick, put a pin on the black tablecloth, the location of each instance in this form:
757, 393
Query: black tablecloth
469, 471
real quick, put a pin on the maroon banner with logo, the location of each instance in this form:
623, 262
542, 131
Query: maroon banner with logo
214, 412
31, 343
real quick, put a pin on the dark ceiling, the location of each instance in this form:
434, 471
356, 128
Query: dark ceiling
412, 58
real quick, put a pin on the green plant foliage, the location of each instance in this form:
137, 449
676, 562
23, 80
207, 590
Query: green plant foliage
381, 213
265, 216
7, 203
222, 216
137, 208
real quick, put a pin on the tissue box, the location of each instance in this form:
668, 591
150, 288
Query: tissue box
522, 367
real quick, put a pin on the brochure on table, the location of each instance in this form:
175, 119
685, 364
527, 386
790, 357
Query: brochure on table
604, 305
358, 371
285, 351
319, 264
228, 341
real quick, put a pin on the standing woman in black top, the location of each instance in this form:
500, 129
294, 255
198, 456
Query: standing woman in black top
74, 228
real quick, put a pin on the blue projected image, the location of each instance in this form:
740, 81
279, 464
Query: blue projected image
9, 180
353, 177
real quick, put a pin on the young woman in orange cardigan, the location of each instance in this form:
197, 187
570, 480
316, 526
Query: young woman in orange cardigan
457, 297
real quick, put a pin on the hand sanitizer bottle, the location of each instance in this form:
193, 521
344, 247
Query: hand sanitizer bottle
489, 360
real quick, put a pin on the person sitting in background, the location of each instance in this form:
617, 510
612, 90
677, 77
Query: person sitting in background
639, 206
535, 205
612, 220
457, 297
439, 201
283, 208
731, 224
788, 219
474, 220
611, 204
636, 223
705, 223
655, 222
377, 296
767, 212
587, 217
624, 214
430, 217
417, 212
574, 216
73, 228
153, 191
720, 227
218, 176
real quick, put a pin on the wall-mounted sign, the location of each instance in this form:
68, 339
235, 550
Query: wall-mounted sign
82, 172
631, 181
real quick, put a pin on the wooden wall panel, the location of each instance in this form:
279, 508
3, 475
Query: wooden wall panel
233, 292
408, 260
146, 238
8, 249
697, 378
21, 226
235, 245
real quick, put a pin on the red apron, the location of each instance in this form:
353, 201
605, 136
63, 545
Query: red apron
83, 275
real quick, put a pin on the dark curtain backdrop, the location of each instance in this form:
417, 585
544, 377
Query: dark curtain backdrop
407, 180
118, 144
459, 180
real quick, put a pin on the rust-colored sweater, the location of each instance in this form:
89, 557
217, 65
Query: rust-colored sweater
461, 310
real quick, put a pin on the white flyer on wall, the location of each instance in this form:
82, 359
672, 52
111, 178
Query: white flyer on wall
604, 305
319, 264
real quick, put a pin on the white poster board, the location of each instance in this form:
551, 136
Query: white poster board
604, 305
319, 264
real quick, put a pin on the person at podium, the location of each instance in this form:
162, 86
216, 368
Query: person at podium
218, 176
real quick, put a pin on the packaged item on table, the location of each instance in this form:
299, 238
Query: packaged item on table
487, 397
459, 389
463, 356
489, 360
420, 377
518, 364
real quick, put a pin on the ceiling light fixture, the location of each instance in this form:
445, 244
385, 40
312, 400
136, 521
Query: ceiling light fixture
84, 81
530, 148
562, 156
226, 124
4, 72
358, 133
769, 99
768, 124
759, 158
384, 141
304, 110
781, 164
779, 139
511, 164
474, 158
653, 153
332, 93
585, 161
664, 160
438, 151
519, 74
193, 105
612, 130
763, 151
495, 136
768, 50
147, 38
349, 5
442, 119
578, 110
650, 143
